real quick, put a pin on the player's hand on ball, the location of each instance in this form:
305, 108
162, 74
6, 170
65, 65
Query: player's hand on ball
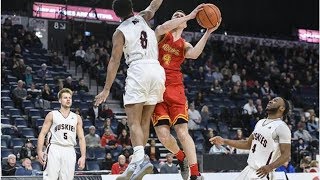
194, 13
81, 162
217, 140
101, 97
263, 171
215, 27
42, 158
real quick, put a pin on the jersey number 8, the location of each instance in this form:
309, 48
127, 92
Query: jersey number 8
143, 39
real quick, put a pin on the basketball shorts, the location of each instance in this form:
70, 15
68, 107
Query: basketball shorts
145, 83
61, 162
249, 173
173, 107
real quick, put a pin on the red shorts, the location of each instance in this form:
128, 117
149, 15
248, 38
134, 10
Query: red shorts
173, 107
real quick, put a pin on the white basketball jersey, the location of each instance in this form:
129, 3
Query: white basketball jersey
265, 147
140, 40
63, 130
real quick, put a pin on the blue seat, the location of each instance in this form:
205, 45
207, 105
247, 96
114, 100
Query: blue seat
55, 104
100, 153
4, 143
17, 142
21, 123
92, 166
8, 131
5, 120
28, 132
16, 149
6, 152
27, 103
14, 111
87, 122
39, 122
34, 112
5, 93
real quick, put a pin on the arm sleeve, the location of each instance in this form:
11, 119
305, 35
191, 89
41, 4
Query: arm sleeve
284, 134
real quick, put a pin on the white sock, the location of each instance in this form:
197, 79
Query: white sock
138, 154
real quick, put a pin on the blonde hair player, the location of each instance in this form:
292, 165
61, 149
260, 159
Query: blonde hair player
63, 126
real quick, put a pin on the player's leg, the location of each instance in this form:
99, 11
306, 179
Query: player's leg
68, 162
245, 174
52, 166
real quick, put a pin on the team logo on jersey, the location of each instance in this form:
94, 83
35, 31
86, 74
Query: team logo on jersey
166, 59
169, 49
258, 137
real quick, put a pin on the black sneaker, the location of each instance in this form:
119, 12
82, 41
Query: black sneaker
184, 169
197, 177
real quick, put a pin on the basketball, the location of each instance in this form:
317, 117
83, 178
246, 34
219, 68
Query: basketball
209, 16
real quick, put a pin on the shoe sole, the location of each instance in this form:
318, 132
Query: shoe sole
148, 169
127, 177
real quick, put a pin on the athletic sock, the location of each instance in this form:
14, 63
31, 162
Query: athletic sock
180, 155
138, 154
194, 171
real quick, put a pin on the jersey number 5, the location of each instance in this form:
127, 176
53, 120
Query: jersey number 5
65, 136
143, 39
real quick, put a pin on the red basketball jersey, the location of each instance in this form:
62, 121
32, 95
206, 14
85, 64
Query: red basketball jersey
171, 56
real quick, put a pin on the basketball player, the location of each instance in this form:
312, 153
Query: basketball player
269, 143
173, 111
145, 78
60, 157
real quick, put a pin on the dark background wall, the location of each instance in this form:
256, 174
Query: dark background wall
278, 18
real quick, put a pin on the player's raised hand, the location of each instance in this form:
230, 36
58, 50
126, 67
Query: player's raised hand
81, 162
194, 13
217, 140
101, 97
215, 27
42, 158
264, 171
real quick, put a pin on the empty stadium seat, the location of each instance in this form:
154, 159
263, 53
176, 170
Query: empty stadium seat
6, 152
28, 132
17, 142
92, 166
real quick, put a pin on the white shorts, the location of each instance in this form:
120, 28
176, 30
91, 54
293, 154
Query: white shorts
61, 161
145, 83
249, 173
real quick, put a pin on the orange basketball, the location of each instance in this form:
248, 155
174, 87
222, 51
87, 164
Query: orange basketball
209, 16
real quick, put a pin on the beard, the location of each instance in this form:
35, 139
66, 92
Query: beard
272, 110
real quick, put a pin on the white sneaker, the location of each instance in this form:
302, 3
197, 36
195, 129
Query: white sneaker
143, 168
128, 172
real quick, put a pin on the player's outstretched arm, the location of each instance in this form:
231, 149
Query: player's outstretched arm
174, 23
44, 130
113, 66
285, 150
239, 144
149, 12
194, 52
82, 144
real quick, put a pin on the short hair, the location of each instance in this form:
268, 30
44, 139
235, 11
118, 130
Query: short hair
180, 11
64, 90
11, 156
122, 8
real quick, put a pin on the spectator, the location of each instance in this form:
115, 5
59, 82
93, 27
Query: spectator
47, 93
68, 83
94, 113
194, 118
286, 167
217, 75
301, 146
80, 53
208, 76
120, 166
107, 125
218, 149
28, 76
153, 152
44, 73
88, 57
82, 88
33, 92
59, 86
124, 140
216, 88
209, 135
239, 135
313, 126
18, 68
266, 90
92, 142
78, 111
107, 162
205, 116
256, 89
28, 151
169, 167
236, 94
19, 94
55, 60
9, 169
235, 77
25, 169
260, 113
313, 167
109, 141
122, 125
106, 112
302, 133
249, 108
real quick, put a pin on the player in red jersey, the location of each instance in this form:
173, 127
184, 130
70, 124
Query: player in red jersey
173, 111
